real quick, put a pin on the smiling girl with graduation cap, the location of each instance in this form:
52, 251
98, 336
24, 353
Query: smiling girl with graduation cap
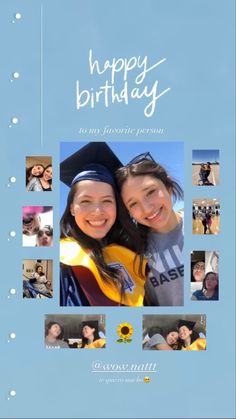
98, 263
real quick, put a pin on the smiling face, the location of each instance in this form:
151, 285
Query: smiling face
149, 202
37, 170
199, 271
47, 174
172, 338
94, 208
184, 333
88, 332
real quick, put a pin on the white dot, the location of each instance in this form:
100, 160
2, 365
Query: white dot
12, 233
12, 179
12, 291
18, 16
12, 335
12, 393
14, 120
16, 75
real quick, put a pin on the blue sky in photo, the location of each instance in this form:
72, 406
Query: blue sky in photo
201, 156
169, 154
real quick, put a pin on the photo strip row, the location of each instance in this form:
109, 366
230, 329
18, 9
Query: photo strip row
186, 332
205, 170
38, 277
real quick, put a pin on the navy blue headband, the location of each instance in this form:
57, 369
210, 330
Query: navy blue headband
96, 172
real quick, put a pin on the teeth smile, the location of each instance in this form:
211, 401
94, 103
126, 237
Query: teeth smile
154, 215
97, 223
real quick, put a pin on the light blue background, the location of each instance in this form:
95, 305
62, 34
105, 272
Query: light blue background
197, 38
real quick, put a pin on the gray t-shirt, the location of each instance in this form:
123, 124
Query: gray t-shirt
40, 283
58, 344
156, 339
34, 185
165, 285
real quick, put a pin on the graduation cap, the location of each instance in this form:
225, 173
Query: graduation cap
95, 161
190, 325
93, 324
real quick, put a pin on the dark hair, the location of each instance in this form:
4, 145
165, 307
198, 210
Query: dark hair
29, 170
163, 331
151, 168
117, 234
194, 335
204, 282
155, 170
39, 273
193, 263
46, 227
50, 180
96, 336
48, 327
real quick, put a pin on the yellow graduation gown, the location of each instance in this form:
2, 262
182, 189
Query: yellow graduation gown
99, 343
119, 257
198, 345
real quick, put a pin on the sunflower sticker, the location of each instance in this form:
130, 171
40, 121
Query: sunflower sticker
125, 331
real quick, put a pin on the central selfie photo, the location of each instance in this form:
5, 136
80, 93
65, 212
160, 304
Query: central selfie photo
122, 222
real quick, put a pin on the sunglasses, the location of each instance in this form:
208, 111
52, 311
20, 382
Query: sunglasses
141, 157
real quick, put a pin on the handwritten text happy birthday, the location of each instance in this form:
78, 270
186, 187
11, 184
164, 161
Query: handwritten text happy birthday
119, 86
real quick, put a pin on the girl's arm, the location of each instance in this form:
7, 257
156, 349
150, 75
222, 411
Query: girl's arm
30, 185
163, 347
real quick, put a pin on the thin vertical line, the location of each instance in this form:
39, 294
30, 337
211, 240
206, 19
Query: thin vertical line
41, 75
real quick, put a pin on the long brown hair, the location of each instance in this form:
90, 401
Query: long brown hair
148, 168
123, 232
